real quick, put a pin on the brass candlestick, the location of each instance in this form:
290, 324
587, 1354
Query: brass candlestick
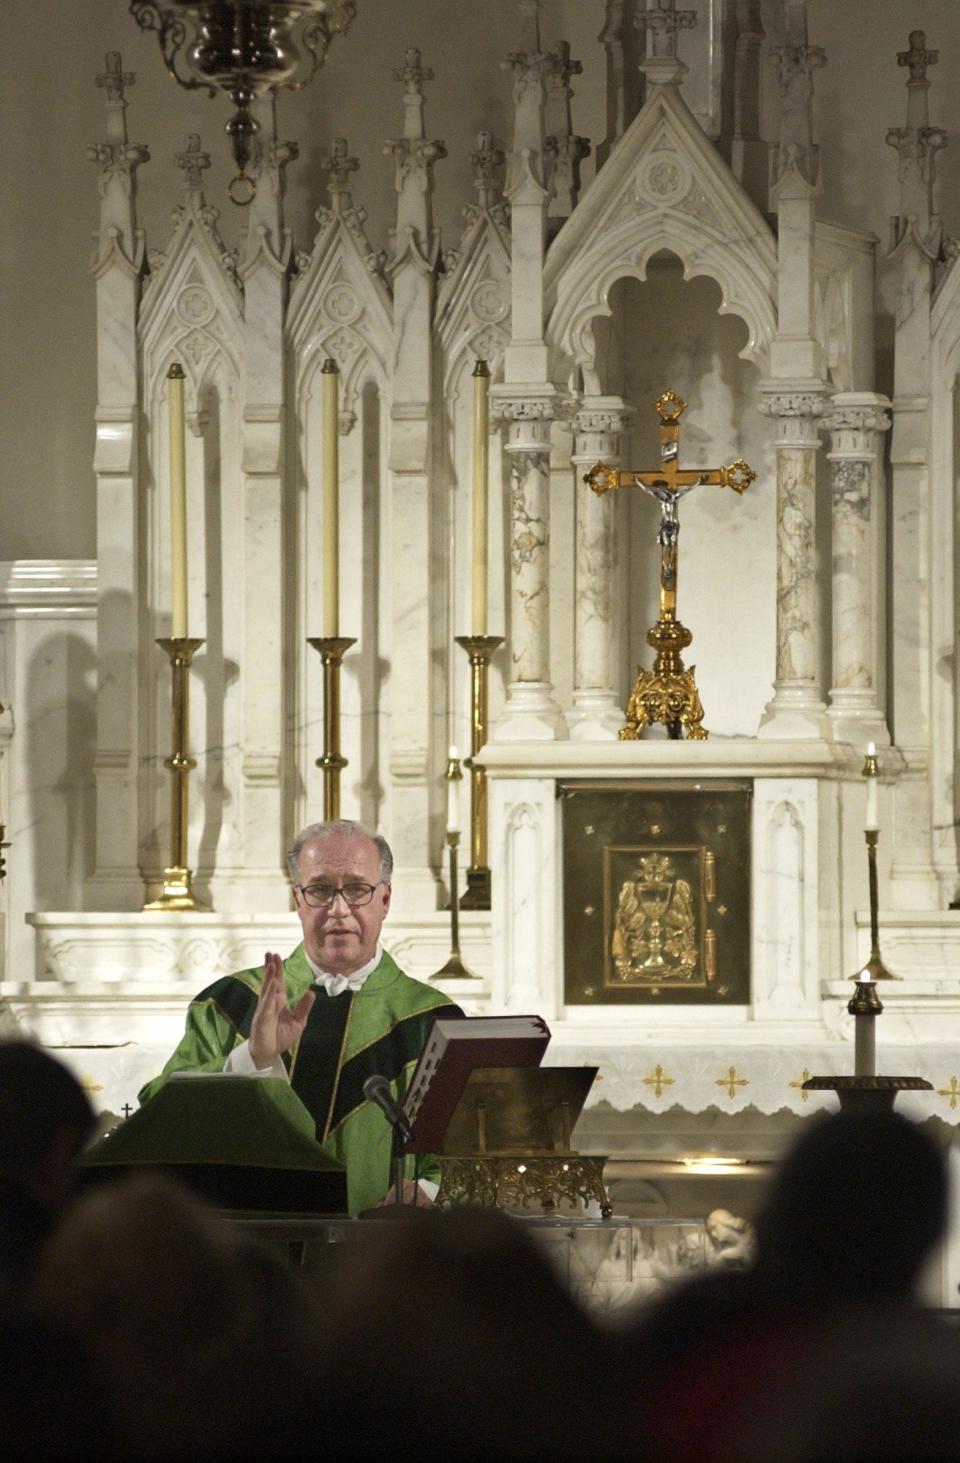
874, 967
454, 968
177, 891
332, 649
866, 1091
479, 648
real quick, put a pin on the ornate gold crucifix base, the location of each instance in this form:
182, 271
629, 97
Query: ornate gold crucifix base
668, 694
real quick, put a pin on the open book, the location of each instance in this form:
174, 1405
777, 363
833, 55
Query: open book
454, 1047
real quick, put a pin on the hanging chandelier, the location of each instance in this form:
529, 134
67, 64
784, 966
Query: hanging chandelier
244, 48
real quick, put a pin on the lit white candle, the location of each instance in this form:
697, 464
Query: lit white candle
872, 820
330, 377
178, 502
453, 792
865, 1037
481, 440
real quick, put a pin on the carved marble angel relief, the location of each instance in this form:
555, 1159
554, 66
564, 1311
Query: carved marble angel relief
656, 883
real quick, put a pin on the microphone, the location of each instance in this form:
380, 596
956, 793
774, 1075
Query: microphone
377, 1089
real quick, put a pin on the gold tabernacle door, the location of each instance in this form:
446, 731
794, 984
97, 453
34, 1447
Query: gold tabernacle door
508, 1143
656, 892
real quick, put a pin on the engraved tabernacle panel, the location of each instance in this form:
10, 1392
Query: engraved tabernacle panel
656, 892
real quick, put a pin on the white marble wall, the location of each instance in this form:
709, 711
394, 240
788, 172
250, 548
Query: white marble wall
47, 744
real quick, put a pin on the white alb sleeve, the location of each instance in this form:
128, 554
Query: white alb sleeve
240, 1064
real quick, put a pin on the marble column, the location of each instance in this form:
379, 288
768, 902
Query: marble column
118, 271
531, 712
924, 797
595, 714
264, 267
796, 710
856, 422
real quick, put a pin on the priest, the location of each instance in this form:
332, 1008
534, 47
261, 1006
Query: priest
335, 1012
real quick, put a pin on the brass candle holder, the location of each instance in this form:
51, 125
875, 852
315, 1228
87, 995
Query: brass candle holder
866, 1091
454, 968
874, 966
479, 648
177, 893
331, 649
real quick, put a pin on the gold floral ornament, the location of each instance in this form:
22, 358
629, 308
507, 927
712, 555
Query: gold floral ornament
737, 476
669, 406
602, 478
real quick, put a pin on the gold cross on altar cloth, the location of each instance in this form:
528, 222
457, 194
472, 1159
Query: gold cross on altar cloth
953, 1092
658, 1081
731, 1082
803, 1077
668, 484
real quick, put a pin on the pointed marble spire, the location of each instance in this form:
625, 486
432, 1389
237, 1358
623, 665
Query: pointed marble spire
414, 158
619, 40
530, 67
796, 154
119, 160
266, 236
566, 149
115, 80
917, 145
662, 21
338, 166
487, 160
193, 163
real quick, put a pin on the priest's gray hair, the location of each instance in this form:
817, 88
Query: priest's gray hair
337, 827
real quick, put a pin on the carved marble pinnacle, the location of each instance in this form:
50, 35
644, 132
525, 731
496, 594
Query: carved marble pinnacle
918, 58
114, 78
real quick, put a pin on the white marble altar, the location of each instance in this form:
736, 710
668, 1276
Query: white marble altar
823, 604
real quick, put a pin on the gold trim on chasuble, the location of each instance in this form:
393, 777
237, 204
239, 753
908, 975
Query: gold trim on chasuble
656, 888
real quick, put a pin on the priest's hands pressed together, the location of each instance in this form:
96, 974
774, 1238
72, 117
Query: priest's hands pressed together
276, 1025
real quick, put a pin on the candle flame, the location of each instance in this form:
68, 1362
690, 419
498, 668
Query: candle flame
871, 749
453, 755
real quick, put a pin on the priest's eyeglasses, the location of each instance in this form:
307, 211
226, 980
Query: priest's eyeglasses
319, 896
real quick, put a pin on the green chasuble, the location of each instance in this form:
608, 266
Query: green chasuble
347, 1038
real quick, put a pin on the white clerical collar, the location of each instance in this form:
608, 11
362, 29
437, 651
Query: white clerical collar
335, 983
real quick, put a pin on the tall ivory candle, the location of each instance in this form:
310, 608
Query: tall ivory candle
178, 501
481, 441
865, 1039
872, 820
331, 497
453, 791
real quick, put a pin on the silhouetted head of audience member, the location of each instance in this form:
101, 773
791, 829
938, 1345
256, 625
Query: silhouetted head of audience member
854, 1211
178, 1313
45, 1120
459, 1319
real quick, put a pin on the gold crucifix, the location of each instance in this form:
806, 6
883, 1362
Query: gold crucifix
668, 694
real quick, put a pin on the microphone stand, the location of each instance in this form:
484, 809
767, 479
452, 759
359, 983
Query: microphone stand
398, 1163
